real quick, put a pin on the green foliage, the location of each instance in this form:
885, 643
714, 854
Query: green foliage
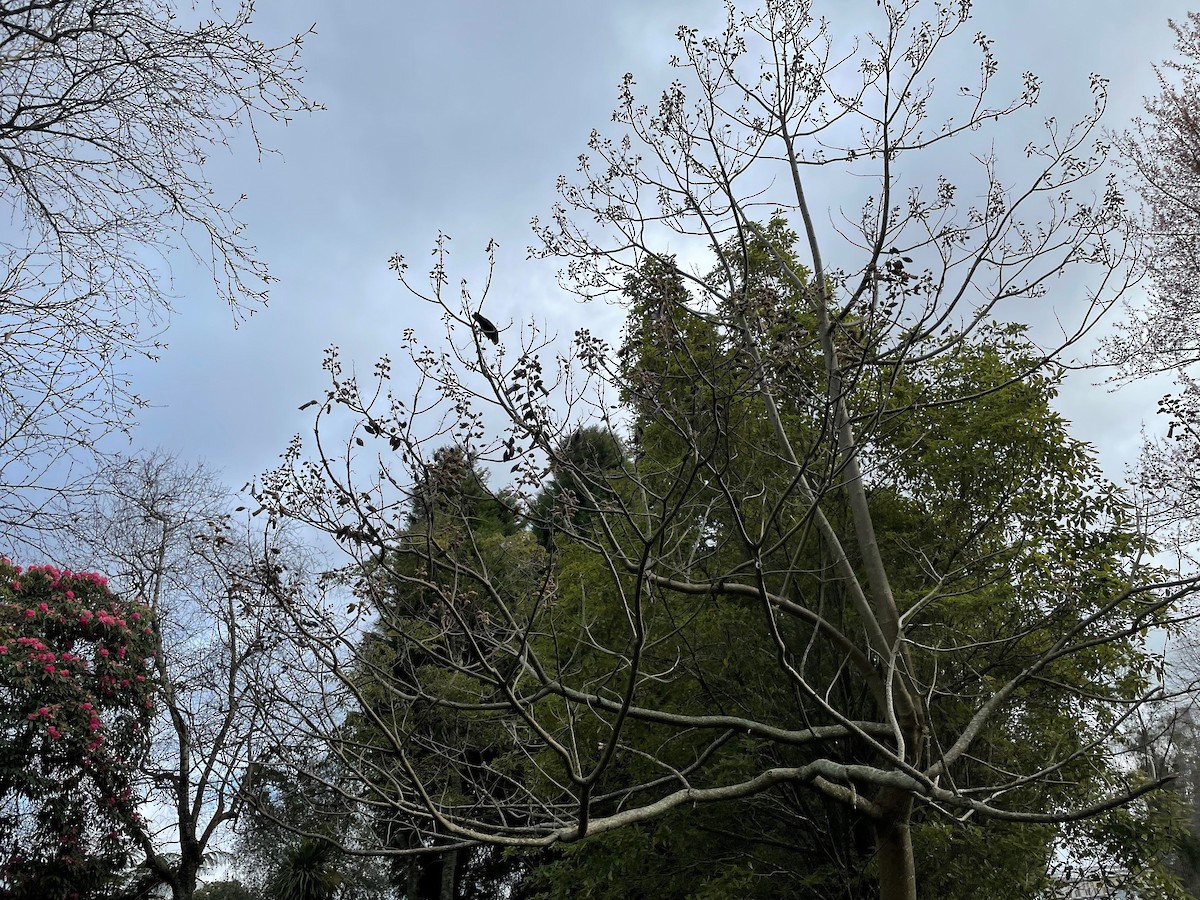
694, 855
223, 890
77, 693
462, 567
307, 872
996, 859
279, 806
845, 579
592, 459
1000, 535
452, 492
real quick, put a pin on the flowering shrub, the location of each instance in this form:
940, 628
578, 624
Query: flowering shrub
77, 693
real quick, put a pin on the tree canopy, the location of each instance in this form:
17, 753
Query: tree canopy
840, 569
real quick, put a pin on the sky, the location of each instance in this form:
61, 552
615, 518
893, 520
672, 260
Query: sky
458, 116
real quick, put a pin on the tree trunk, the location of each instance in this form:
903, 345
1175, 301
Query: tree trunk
184, 885
414, 878
449, 867
894, 853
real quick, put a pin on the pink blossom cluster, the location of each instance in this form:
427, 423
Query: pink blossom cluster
78, 664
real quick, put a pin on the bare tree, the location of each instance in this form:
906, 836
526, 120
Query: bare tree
166, 532
1163, 152
108, 112
844, 470
1161, 332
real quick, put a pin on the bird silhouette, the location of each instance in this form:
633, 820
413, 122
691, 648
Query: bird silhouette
486, 328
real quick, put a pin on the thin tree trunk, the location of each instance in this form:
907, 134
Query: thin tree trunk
894, 850
414, 878
449, 867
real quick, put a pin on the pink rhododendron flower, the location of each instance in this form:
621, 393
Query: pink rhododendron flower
53, 732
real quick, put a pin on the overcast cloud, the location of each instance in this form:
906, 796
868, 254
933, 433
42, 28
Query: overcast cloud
459, 116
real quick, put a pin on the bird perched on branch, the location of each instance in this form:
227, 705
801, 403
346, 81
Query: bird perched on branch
486, 328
